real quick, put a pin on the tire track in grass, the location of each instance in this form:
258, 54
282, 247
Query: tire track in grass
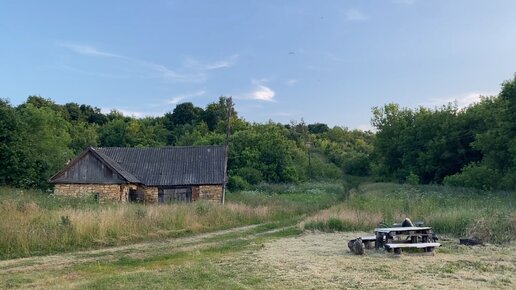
112, 253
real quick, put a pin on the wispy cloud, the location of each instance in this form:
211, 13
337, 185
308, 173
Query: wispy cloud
291, 82
406, 2
195, 72
194, 64
462, 101
175, 100
89, 73
355, 15
168, 73
229, 62
87, 50
335, 58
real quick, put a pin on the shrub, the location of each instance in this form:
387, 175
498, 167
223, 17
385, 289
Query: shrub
498, 228
320, 170
251, 175
412, 179
236, 182
476, 176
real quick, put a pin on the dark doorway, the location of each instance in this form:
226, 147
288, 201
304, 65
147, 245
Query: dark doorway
179, 194
135, 195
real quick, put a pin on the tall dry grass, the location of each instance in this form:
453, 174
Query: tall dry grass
33, 223
28, 230
490, 216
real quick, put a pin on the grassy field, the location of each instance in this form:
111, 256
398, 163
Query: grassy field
490, 216
35, 223
258, 241
264, 257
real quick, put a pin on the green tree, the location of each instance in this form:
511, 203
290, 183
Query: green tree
46, 144
266, 149
83, 135
10, 142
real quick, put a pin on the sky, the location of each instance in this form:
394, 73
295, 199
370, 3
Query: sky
320, 61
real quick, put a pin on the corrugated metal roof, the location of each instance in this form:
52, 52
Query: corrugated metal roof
168, 165
117, 167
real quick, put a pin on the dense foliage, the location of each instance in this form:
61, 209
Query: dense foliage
39, 136
474, 147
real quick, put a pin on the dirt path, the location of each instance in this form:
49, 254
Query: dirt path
108, 254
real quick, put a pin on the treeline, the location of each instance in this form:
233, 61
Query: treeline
38, 137
471, 147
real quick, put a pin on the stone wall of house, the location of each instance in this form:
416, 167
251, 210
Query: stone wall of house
210, 192
111, 192
195, 193
151, 194
120, 192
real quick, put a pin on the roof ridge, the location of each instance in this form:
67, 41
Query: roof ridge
116, 166
174, 165
164, 147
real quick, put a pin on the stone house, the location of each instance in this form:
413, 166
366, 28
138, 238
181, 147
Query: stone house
167, 174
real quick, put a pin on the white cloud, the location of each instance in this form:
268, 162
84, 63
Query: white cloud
132, 113
124, 112
366, 127
263, 93
259, 92
355, 15
175, 100
462, 101
135, 114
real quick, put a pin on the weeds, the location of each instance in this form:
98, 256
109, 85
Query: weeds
489, 216
34, 223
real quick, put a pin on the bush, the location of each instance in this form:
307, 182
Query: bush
320, 170
474, 175
412, 179
251, 175
236, 182
498, 228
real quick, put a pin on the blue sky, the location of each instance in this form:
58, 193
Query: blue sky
323, 61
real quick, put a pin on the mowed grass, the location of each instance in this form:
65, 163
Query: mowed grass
261, 258
182, 263
36, 223
489, 216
